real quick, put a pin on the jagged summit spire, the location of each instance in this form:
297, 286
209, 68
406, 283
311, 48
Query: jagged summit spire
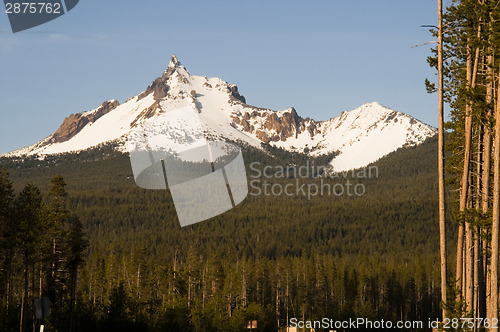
173, 66
175, 72
174, 62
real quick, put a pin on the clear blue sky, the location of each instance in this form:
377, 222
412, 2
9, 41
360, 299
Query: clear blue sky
322, 57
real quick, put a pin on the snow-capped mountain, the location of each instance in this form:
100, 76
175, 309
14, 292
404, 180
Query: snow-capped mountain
361, 136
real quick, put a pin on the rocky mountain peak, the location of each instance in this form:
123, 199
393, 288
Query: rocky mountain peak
358, 137
175, 66
373, 106
174, 62
175, 72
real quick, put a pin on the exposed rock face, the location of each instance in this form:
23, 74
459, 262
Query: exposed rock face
233, 90
174, 63
105, 108
270, 126
75, 122
159, 87
146, 114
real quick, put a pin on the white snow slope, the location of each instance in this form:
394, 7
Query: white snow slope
362, 136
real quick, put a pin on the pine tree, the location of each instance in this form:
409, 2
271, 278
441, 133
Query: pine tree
76, 244
28, 214
7, 240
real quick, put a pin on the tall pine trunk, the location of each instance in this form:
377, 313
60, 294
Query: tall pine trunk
493, 303
467, 275
442, 211
464, 184
478, 276
24, 294
485, 187
464, 187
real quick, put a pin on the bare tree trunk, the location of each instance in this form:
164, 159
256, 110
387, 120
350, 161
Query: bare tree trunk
278, 304
54, 259
469, 263
490, 88
459, 269
477, 276
74, 281
485, 187
493, 307
204, 283
464, 184
41, 279
442, 211
476, 265
25, 294
139, 282
189, 292
9, 279
244, 289
286, 299
229, 298
33, 290
467, 273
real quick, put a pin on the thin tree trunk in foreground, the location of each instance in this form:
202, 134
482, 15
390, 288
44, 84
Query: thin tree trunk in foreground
493, 307
442, 211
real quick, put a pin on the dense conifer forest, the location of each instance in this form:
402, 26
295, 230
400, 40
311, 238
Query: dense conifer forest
123, 263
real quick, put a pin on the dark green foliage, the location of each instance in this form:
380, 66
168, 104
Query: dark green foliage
268, 259
7, 238
42, 250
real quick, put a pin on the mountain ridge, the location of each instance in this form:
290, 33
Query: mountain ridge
360, 136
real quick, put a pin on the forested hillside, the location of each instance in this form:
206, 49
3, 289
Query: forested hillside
269, 259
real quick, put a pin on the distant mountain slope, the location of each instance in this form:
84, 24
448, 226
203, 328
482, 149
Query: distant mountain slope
360, 136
